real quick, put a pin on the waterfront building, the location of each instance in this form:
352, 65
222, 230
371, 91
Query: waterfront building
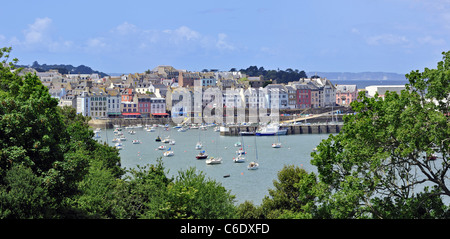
144, 105
304, 95
114, 99
382, 89
98, 103
277, 96
158, 107
346, 94
292, 97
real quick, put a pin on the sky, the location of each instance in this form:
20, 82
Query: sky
322, 35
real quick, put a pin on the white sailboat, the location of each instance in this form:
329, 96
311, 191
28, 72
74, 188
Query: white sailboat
214, 160
277, 144
239, 159
254, 165
199, 145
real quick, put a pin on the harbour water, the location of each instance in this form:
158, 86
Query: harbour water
251, 185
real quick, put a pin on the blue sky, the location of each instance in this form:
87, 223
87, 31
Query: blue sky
322, 35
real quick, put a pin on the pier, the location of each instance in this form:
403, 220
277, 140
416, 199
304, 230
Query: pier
292, 129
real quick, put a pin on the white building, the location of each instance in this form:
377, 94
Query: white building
84, 104
382, 89
114, 100
158, 106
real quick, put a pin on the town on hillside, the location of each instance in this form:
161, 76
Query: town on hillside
152, 94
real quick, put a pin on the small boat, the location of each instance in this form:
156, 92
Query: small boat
241, 151
216, 129
198, 146
213, 160
132, 132
166, 140
122, 138
97, 135
202, 155
276, 145
162, 147
158, 139
238, 144
226, 176
168, 154
271, 129
252, 166
136, 141
115, 140
97, 130
118, 146
239, 159
172, 142
203, 127
182, 129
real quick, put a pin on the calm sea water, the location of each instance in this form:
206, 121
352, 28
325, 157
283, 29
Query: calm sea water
245, 184
361, 84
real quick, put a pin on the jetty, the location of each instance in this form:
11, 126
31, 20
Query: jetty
291, 129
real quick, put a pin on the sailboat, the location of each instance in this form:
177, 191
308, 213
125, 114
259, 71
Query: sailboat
241, 151
199, 145
239, 159
254, 165
214, 160
277, 144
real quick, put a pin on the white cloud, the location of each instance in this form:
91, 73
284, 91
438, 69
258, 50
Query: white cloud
222, 44
387, 39
126, 28
38, 31
431, 40
98, 42
38, 36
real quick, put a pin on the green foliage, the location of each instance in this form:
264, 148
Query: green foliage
23, 195
381, 160
279, 75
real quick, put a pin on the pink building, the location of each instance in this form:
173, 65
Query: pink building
346, 94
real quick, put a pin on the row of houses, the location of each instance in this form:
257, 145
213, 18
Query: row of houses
165, 92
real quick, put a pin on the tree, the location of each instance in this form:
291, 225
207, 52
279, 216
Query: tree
45, 151
392, 157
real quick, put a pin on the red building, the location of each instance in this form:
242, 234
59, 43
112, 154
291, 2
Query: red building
303, 96
144, 105
127, 95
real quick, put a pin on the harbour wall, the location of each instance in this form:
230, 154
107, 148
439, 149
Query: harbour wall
294, 129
